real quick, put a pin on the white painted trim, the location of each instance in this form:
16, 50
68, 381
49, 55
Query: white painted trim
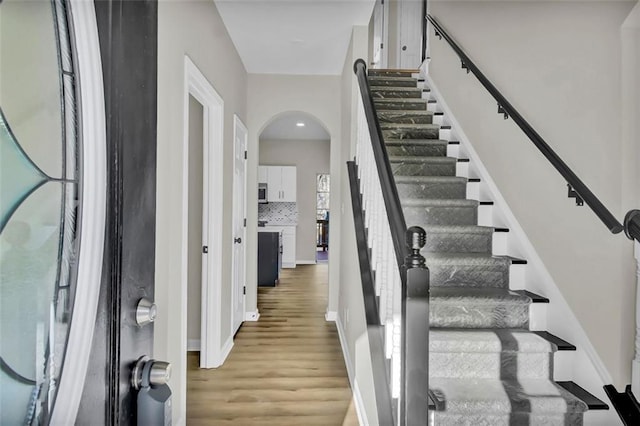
196, 85
355, 389
252, 315
547, 284
331, 316
94, 179
193, 345
306, 262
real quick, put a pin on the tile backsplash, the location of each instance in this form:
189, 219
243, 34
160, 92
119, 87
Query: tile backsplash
278, 213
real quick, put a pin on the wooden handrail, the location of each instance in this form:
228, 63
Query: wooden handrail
389, 191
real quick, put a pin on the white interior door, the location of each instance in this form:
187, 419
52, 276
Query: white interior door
378, 36
410, 15
239, 219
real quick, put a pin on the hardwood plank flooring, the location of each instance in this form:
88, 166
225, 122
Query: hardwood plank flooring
285, 369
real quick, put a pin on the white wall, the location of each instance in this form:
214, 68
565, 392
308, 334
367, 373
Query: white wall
311, 157
351, 317
195, 29
559, 64
270, 96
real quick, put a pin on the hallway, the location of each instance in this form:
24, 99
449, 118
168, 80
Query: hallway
285, 369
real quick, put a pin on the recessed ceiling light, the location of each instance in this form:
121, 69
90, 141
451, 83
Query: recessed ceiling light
300, 124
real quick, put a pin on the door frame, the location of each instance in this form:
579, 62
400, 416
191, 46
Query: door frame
197, 85
93, 221
239, 125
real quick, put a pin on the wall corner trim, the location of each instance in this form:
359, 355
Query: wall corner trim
331, 316
252, 315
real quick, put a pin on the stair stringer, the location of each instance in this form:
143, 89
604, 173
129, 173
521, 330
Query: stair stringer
583, 366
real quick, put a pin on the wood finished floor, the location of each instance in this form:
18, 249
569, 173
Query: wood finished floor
285, 369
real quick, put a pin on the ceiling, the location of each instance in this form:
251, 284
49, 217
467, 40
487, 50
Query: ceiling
293, 36
285, 128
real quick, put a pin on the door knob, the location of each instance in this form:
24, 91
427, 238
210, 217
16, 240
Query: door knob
150, 373
146, 312
237, 240
404, 47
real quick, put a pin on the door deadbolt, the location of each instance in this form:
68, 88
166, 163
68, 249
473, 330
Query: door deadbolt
146, 312
237, 240
150, 373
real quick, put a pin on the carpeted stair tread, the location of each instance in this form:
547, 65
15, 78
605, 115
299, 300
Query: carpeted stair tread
430, 179
420, 159
466, 258
460, 229
390, 72
434, 211
399, 116
375, 81
459, 238
400, 89
415, 142
410, 126
434, 202
488, 340
478, 307
456, 295
467, 270
417, 147
406, 104
506, 354
494, 396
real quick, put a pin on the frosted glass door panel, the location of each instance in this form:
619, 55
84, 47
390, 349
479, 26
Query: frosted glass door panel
39, 199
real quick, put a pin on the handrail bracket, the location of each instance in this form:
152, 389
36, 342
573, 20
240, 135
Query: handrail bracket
501, 110
571, 193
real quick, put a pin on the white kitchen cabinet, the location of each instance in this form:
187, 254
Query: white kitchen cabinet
274, 183
288, 186
288, 246
281, 182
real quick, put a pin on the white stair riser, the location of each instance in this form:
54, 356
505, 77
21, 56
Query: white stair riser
538, 316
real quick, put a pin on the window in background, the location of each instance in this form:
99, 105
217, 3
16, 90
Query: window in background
323, 184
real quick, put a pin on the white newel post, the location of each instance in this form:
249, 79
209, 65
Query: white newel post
635, 366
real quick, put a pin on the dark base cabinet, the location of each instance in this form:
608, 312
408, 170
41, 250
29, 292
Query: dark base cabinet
268, 258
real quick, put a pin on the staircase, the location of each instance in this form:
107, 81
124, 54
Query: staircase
485, 366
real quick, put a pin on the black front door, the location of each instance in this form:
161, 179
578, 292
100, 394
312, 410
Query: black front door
128, 44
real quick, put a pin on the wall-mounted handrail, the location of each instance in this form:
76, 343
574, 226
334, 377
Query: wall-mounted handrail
505, 107
389, 191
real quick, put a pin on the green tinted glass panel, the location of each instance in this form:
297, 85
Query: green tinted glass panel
39, 202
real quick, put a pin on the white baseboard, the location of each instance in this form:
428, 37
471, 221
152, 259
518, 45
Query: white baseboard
355, 389
331, 315
226, 350
252, 315
193, 345
306, 262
